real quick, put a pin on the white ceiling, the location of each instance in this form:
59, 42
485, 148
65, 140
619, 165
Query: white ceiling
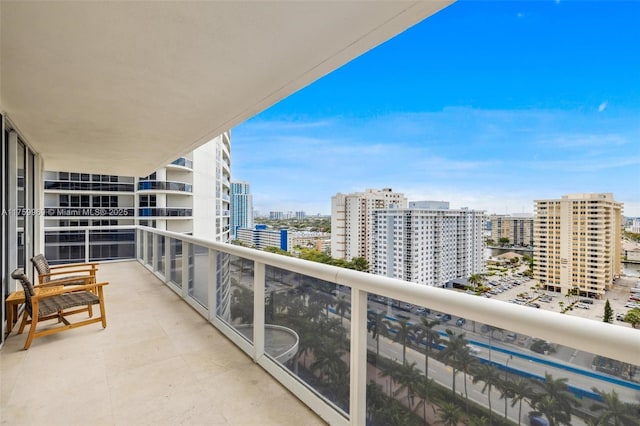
126, 87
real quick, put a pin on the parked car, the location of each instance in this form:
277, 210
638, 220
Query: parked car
460, 322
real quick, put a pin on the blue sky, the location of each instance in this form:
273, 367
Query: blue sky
487, 105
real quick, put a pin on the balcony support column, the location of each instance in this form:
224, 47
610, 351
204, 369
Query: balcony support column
258, 310
358, 378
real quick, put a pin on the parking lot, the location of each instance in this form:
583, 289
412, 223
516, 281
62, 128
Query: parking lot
521, 290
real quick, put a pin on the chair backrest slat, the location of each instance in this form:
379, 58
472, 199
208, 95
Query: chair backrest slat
42, 266
29, 291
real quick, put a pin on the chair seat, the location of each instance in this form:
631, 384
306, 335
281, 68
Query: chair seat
69, 280
54, 304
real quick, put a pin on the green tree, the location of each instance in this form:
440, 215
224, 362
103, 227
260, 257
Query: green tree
378, 326
522, 391
633, 317
503, 241
360, 264
343, 306
476, 280
408, 377
452, 354
555, 401
403, 335
449, 414
277, 250
425, 388
616, 411
424, 332
490, 376
608, 312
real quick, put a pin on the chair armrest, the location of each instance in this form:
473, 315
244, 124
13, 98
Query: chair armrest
74, 265
86, 278
71, 271
87, 287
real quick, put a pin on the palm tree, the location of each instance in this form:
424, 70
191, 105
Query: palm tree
403, 335
389, 369
476, 280
521, 390
424, 388
555, 401
342, 307
407, 377
449, 414
378, 326
424, 332
621, 413
451, 354
467, 362
490, 376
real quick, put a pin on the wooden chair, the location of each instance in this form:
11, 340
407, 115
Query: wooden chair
59, 304
49, 275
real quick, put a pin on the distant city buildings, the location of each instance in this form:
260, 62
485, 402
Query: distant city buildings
517, 229
577, 243
429, 246
276, 215
261, 237
320, 241
352, 221
241, 206
634, 226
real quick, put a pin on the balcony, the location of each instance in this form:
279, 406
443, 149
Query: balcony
156, 185
158, 360
351, 345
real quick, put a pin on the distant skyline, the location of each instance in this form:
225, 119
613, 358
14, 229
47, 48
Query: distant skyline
487, 105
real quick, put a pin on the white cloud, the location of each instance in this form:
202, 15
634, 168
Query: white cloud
603, 106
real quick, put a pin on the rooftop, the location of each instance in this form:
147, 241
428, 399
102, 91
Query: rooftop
157, 362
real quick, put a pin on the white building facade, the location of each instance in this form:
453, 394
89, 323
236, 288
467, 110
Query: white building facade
90, 217
426, 246
352, 221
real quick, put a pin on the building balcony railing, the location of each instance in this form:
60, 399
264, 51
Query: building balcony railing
183, 162
165, 211
50, 185
354, 354
156, 185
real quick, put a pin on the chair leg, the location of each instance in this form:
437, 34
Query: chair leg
103, 313
25, 314
32, 331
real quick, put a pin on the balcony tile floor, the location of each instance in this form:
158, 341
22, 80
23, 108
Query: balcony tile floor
157, 362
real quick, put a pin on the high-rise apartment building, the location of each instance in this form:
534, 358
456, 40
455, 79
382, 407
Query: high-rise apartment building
577, 243
241, 207
518, 229
427, 246
91, 216
352, 221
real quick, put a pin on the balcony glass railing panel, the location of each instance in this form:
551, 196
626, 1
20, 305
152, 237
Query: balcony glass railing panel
88, 186
476, 371
317, 313
175, 256
114, 244
151, 185
240, 296
64, 246
410, 372
158, 266
198, 287
149, 258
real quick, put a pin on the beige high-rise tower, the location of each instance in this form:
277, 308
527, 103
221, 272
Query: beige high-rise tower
577, 243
